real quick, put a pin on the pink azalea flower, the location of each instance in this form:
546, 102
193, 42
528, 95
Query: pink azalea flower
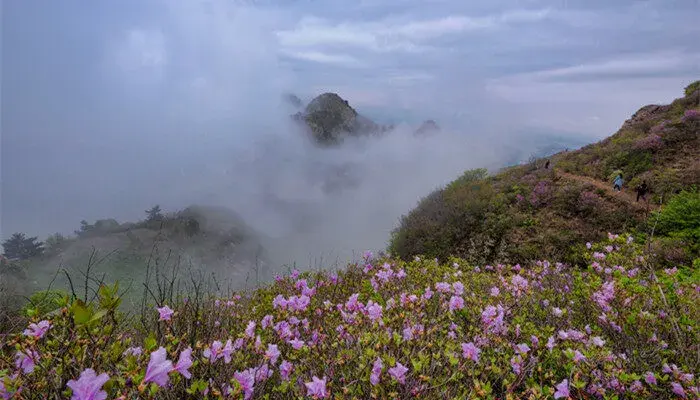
213, 353
649, 378
247, 381
495, 291
374, 311
516, 362
522, 348
184, 363
266, 321
250, 329
165, 313
263, 373
562, 389
226, 352
296, 343
578, 356
443, 287
279, 302
133, 351
678, 389
458, 288
352, 304
316, 388
38, 330
470, 351
376, 371
88, 386
286, 369
158, 368
456, 303
557, 311
399, 373
272, 353
598, 341
492, 319
26, 360
636, 387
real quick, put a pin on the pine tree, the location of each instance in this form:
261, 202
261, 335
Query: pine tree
21, 247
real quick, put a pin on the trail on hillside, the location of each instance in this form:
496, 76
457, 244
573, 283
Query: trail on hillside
622, 195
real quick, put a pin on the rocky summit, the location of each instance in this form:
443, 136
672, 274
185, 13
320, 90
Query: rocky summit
330, 118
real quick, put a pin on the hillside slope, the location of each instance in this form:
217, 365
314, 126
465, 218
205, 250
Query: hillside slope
529, 211
213, 240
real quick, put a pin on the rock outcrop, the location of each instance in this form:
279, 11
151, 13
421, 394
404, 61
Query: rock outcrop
330, 119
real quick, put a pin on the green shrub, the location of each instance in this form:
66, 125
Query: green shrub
690, 89
680, 219
43, 302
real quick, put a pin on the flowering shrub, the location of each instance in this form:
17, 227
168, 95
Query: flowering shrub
541, 194
691, 115
588, 201
384, 329
651, 142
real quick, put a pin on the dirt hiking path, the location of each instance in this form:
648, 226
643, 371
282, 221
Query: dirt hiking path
623, 195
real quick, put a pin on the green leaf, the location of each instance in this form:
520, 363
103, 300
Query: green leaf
150, 343
81, 314
98, 315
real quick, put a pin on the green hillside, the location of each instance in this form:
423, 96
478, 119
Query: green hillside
529, 212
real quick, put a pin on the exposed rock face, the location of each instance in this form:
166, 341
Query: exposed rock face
645, 113
427, 127
330, 119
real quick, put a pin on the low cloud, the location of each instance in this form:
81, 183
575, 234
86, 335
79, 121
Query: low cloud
108, 109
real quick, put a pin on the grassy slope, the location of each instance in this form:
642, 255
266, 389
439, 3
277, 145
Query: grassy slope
224, 246
527, 212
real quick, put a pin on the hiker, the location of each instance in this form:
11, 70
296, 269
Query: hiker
642, 191
546, 165
617, 184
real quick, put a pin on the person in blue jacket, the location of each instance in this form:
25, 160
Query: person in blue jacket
617, 184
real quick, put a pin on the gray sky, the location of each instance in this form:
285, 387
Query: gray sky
109, 107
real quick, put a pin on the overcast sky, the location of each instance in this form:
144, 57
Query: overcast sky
107, 105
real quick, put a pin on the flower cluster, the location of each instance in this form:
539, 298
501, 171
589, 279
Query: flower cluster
387, 329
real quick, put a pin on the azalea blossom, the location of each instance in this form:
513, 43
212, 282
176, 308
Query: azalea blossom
272, 353
88, 386
38, 330
250, 329
376, 371
247, 381
133, 351
317, 387
649, 378
184, 363
456, 303
470, 351
562, 390
678, 389
165, 313
26, 360
286, 369
158, 368
296, 343
399, 373
374, 311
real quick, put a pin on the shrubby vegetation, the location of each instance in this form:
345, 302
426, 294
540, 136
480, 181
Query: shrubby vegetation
527, 212
381, 329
